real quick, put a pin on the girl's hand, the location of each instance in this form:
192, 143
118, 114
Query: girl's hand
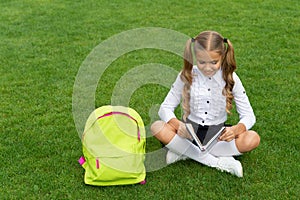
182, 132
228, 134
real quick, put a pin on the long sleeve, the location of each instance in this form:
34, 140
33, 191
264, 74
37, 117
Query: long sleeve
172, 100
243, 105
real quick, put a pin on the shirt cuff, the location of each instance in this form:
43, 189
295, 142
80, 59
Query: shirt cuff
249, 122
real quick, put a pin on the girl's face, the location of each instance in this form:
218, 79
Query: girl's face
208, 62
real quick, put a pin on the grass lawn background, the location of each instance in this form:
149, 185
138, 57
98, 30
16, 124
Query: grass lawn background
43, 44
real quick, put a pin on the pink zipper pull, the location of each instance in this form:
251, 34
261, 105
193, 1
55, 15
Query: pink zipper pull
97, 164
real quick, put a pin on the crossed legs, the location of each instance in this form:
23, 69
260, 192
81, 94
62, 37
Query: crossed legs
245, 142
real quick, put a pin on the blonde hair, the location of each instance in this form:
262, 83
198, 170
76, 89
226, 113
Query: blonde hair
209, 41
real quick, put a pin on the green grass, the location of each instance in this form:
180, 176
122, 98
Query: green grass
43, 44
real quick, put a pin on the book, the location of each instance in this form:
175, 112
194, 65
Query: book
210, 139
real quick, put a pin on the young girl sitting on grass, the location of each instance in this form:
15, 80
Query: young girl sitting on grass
207, 90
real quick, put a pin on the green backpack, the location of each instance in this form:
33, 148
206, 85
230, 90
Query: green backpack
113, 145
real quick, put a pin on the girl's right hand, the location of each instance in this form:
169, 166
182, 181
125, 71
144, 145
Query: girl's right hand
182, 132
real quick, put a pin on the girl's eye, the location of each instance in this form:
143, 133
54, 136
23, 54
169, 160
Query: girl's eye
201, 62
214, 62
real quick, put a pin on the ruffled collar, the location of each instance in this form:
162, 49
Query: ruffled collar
217, 77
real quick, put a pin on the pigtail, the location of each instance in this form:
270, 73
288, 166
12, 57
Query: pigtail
228, 67
187, 77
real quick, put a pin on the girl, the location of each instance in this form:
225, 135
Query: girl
207, 91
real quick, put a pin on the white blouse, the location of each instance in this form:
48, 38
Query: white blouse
207, 104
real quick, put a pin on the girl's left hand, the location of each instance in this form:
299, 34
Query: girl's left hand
227, 135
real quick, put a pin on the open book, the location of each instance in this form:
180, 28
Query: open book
210, 139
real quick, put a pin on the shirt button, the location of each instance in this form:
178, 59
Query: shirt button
208, 89
207, 102
203, 121
206, 113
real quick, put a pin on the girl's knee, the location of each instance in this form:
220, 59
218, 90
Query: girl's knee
253, 140
248, 142
157, 127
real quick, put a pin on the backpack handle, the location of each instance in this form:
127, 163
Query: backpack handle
124, 114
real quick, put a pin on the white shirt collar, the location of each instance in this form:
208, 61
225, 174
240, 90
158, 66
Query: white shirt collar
217, 77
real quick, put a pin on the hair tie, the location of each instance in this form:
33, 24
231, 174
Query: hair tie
225, 40
193, 39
